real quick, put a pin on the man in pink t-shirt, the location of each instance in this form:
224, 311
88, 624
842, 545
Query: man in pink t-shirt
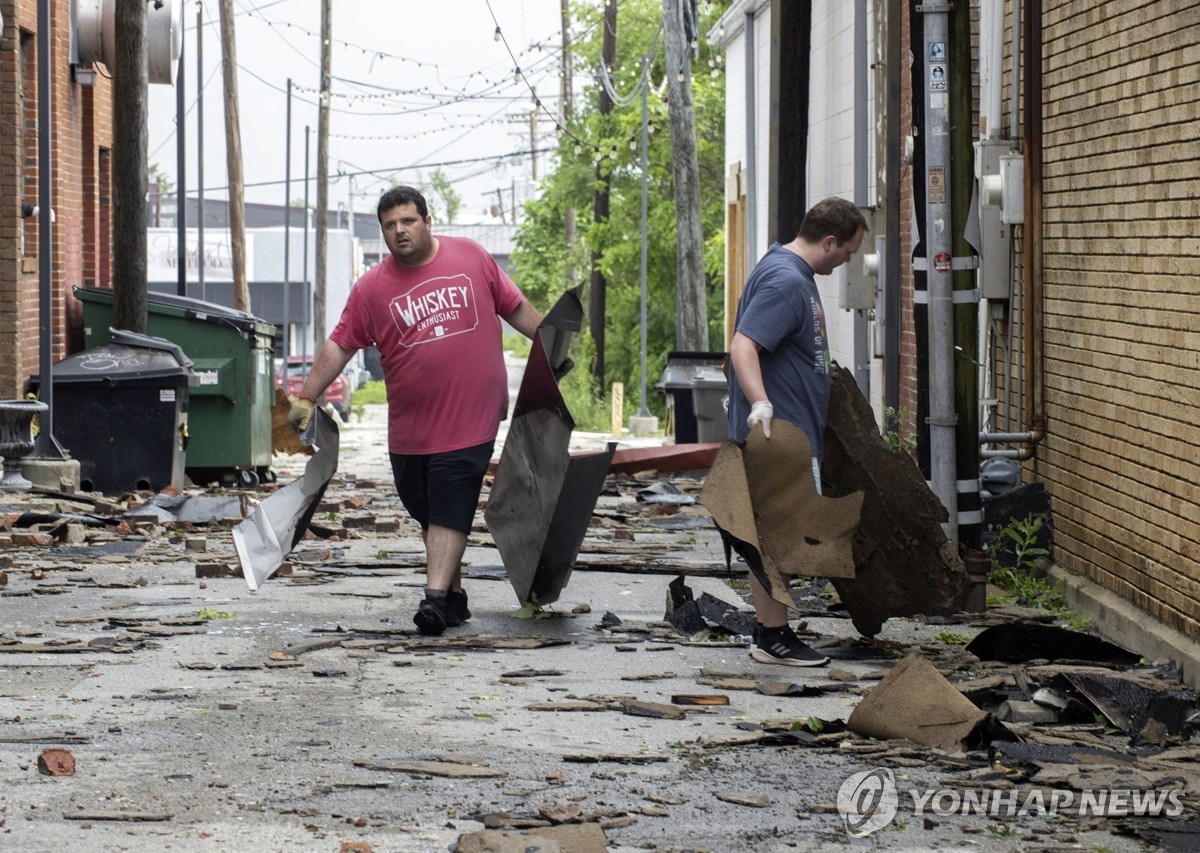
432, 308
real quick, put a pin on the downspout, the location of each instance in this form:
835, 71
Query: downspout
1031, 244
891, 259
1027, 35
751, 152
862, 351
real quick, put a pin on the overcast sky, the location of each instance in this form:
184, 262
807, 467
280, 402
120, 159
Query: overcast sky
416, 86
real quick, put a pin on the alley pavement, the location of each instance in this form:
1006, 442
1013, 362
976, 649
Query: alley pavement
193, 714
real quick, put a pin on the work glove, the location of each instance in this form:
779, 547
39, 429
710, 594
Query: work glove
761, 413
301, 414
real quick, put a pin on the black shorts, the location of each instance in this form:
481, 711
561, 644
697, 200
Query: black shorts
442, 488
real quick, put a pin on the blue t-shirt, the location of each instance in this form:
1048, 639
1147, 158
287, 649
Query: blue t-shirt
780, 310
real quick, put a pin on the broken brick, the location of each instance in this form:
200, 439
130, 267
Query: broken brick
387, 525
26, 539
216, 570
56, 761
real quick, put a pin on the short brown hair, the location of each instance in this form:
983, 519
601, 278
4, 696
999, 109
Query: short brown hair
397, 196
834, 216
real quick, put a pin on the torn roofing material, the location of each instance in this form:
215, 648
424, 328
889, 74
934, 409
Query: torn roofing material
542, 498
272, 530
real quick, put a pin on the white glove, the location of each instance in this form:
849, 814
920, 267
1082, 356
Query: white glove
761, 413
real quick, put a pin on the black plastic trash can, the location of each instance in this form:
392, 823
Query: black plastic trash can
676, 383
121, 411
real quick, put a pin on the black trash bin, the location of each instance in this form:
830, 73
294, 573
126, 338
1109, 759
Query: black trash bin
676, 383
121, 411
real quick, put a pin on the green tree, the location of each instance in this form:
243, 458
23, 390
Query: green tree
540, 258
440, 196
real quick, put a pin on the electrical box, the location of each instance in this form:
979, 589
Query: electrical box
995, 250
1012, 188
856, 287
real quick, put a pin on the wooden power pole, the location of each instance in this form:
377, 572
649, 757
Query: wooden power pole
691, 298
233, 159
597, 292
566, 109
130, 140
322, 234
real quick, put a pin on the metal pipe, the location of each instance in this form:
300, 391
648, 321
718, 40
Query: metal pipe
305, 310
287, 228
751, 153
643, 412
1009, 437
939, 248
45, 446
200, 147
181, 177
1031, 312
1016, 69
862, 349
1025, 453
891, 259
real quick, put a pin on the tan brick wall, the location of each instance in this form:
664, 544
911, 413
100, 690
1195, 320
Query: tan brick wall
1121, 303
81, 126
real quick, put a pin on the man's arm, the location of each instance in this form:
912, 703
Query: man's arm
743, 352
330, 361
525, 318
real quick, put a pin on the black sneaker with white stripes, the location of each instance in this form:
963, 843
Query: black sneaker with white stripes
782, 646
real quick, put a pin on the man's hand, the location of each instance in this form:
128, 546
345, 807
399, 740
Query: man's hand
761, 413
301, 414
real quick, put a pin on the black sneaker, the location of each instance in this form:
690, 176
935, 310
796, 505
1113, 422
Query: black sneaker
430, 617
456, 610
781, 646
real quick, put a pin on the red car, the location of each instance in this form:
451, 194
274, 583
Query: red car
298, 367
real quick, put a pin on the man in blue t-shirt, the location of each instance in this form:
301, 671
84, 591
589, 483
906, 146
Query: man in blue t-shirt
779, 367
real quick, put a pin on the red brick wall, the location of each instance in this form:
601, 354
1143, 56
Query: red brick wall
81, 125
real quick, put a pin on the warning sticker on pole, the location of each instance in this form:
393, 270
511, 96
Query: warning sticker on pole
942, 262
937, 185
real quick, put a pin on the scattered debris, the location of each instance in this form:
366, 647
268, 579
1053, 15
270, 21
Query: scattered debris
916, 702
55, 761
1018, 642
577, 838
739, 799
905, 565
448, 769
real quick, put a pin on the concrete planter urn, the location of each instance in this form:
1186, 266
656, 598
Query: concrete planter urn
16, 440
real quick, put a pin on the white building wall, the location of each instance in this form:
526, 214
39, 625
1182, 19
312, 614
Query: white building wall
831, 144
831, 135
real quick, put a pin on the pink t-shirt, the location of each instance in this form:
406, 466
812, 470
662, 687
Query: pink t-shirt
437, 329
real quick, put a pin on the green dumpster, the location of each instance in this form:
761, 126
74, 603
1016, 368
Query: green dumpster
229, 412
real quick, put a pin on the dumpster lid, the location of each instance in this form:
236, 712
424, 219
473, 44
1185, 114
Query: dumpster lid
127, 357
192, 308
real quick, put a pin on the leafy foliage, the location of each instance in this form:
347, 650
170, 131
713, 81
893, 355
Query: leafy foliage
543, 264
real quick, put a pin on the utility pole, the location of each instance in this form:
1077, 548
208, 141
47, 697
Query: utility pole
181, 178
233, 159
691, 300
939, 248
200, 147
567, 110
322, 235
597, 291
130, 139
